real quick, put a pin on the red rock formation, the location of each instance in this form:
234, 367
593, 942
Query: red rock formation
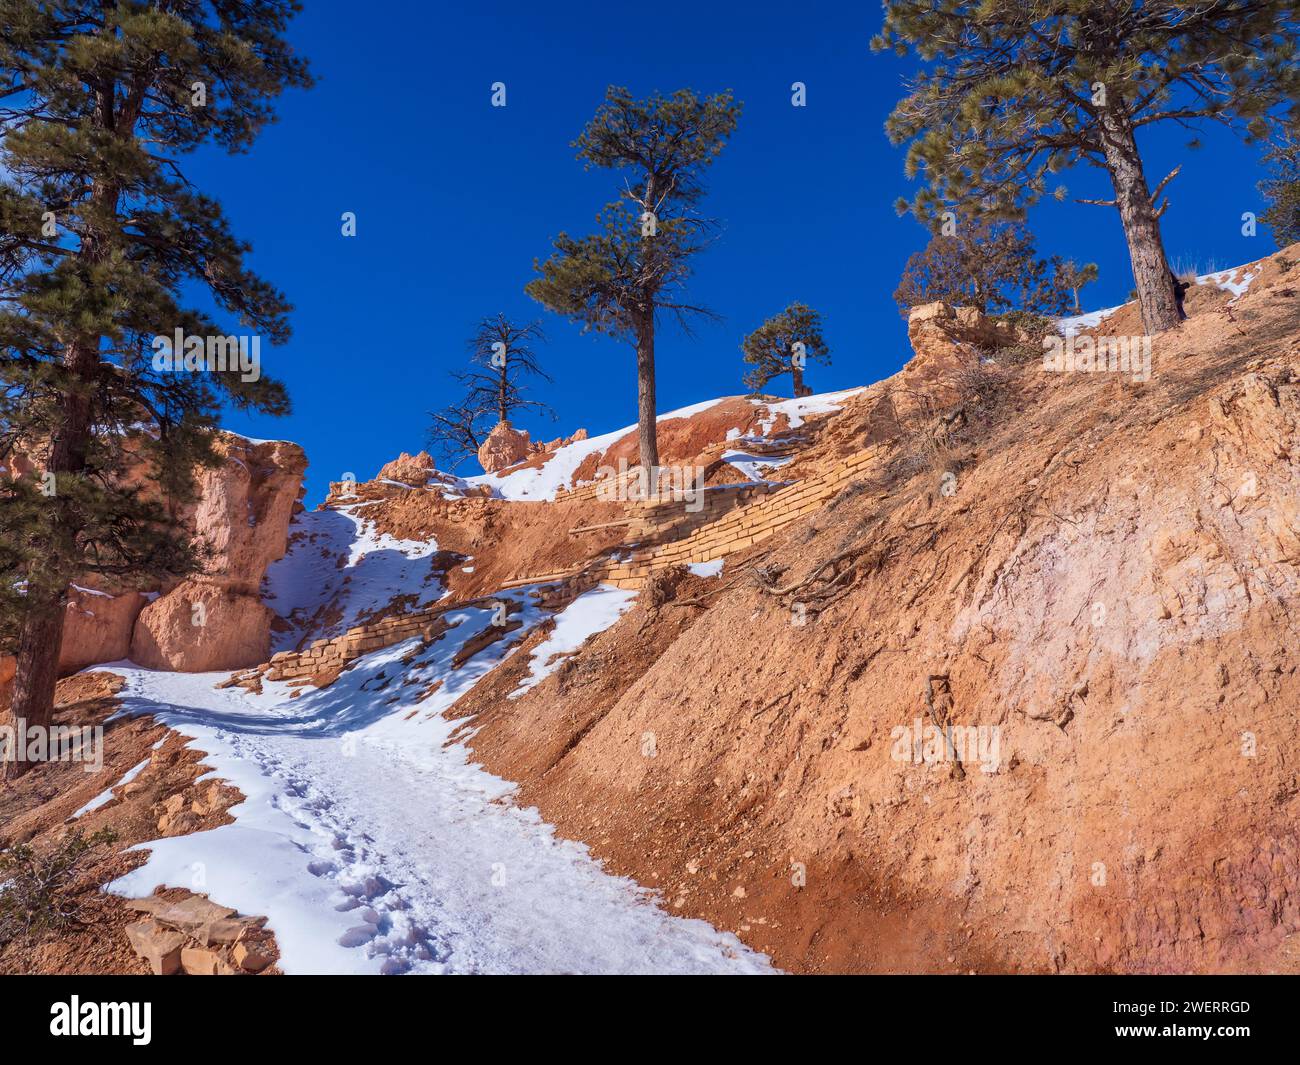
1106, 598
413, 470
503, 447
216, 620
203, 625
8, 665
97, 627
559, 442
242, 513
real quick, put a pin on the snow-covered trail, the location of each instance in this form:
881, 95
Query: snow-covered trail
373, 844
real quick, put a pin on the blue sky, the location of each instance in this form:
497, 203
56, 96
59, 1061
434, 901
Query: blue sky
455, 199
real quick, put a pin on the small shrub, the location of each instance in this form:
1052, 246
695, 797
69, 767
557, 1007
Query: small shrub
980, 387
1036, 325
34, 888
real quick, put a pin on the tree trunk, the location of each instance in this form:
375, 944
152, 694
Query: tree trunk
797, 374
647, 434
503, 408
37, 672
645, 397
1155, 286
41, 635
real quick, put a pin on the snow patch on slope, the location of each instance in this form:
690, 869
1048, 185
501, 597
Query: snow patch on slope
336, 559
106, 795
755, 467
588, 614
1069, 327
796, 410
1225, 279
544, 481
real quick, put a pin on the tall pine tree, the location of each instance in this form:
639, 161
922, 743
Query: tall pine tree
1013, 93
103, 243
619, 280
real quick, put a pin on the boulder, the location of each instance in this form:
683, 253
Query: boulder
414, 470
159, 946
197, 936
251, 957
242, 513
503, 447
196, 961
97, 627
201, 626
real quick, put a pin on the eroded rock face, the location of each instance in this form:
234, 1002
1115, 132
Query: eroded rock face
559, 442
97, 627
245, 505
947, 342
1106, 607
413, 470
935, 329
242, 513
503, 447
217, 620
200, 626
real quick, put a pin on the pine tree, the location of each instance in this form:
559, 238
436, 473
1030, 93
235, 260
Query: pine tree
618, 281
1074, 277
1282, 187
102, 243
1015, 92
989, 265
784, 344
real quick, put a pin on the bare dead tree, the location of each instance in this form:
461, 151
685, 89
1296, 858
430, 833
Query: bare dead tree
501, 355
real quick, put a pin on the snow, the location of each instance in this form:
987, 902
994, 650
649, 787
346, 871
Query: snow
1069, 327
544, 481
107, 794
1223, 279
92, 591
707, 569
588, 614
376, 567
373, 844
796, 410
755, 467
254, 440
